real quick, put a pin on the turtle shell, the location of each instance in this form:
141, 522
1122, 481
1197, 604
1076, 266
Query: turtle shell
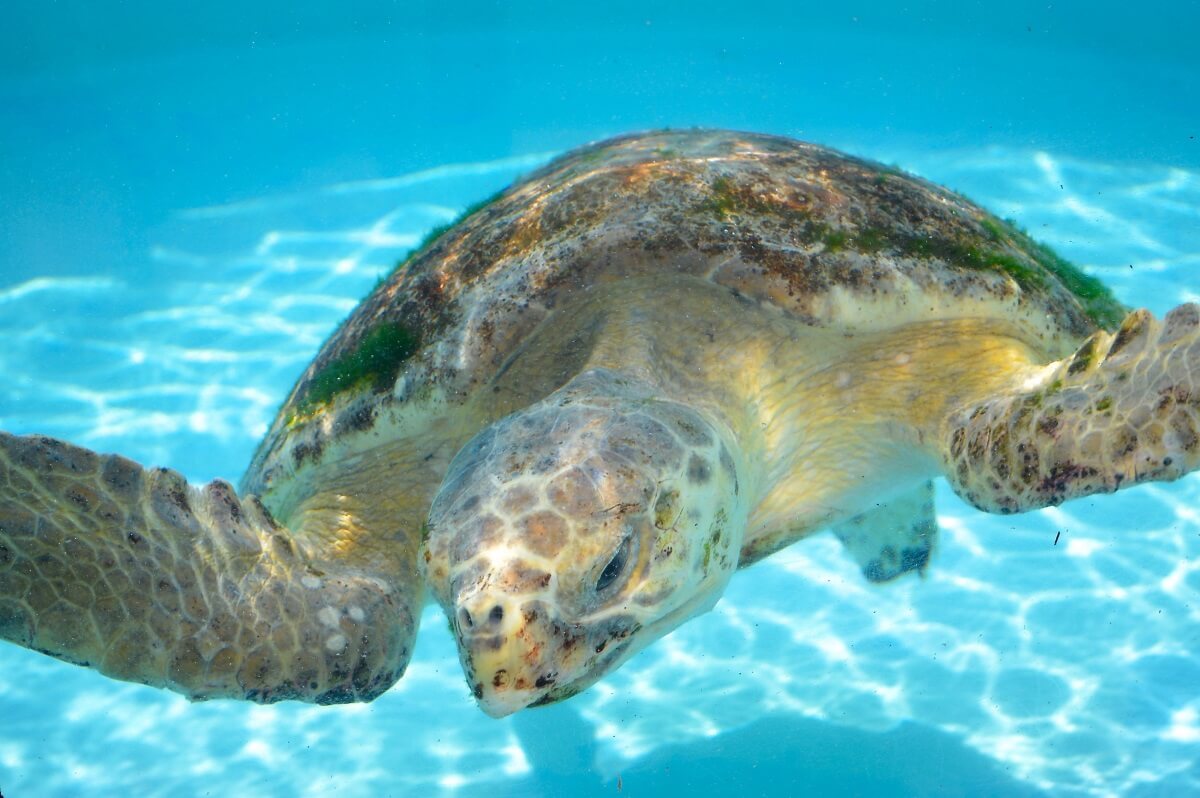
827, 239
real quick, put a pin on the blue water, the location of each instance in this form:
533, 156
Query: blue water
190, 203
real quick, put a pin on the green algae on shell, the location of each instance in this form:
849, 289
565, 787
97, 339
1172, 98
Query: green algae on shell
1013, 252
374, 363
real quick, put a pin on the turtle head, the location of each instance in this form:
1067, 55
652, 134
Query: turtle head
571, 534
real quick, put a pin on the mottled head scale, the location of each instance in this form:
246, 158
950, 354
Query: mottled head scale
570, 534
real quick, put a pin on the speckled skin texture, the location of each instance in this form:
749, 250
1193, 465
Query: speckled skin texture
146, 579
1124, 409
831, 333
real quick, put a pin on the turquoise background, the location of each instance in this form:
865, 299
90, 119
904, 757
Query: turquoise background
193, 195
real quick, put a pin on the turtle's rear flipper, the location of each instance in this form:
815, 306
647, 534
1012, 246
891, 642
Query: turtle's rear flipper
1124, 409
894, 538
145, 578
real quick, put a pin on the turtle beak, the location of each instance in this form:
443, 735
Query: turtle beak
507, 650
500, 703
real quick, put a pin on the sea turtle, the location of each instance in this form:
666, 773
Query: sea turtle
573, 414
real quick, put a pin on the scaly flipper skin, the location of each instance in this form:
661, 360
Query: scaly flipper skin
1124, 409
147, 579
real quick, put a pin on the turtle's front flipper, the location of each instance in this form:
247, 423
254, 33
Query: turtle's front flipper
1124, 409
147, 579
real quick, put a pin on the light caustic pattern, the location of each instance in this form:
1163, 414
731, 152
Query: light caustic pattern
1075, 665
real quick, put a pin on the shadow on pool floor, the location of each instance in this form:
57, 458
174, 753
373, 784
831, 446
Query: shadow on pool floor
773, 756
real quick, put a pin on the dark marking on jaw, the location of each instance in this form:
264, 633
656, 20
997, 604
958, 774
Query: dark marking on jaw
560, 693
545, 680
727, 464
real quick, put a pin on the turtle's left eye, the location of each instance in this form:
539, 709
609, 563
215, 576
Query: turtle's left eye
615, 566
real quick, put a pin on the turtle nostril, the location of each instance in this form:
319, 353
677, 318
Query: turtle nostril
497, 614
464, 619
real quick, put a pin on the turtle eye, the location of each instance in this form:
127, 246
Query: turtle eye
615, 566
